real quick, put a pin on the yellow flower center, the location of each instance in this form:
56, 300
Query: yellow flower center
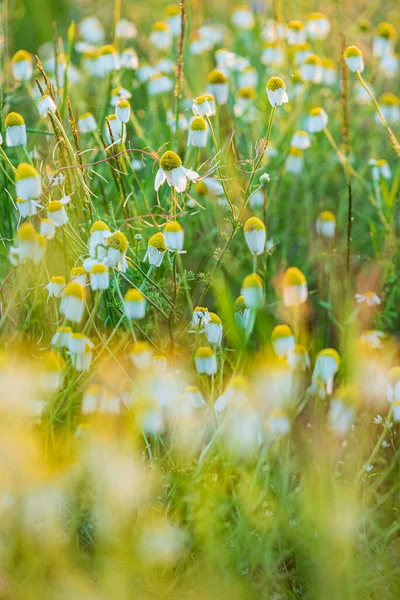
170, 160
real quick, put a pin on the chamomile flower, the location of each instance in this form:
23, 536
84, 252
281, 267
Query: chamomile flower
172, 171
57, 212
144, 72
117, 246
248, 77
28, 183
272, 55
159, 84
182, 122
218, 86
78, 274
53, 372
317, 120
326, 366
15, 130
22, 65
373, 339
300, 140
317, 26
294, 161
99, 232
354, 59
214, 329
55, 286
123, 111
27, 208
389, 64
204, 105
119, 93
125, 29
205, 361
278, 423
253, 290
81, 361
276, 91
294, 287
244, 106
87, 123
113, 130
243, 17
298, 358
129, 59
198, 133
296, 33
194, 397
108, 60
329, 71
161, 35
274, 31
99, 277
94, 397
73, 302
282, 339
380, 169
311, 69
393, 385
255, 234
134, 304
390, 106
141, 355
301, 53
369, 298
200, 318
235, 396
385, 39
173, 236
241, 312
27, 245
173, 18
156, 248
325, 225
341, 413
61, 337
47, 228
91, 30
46, 105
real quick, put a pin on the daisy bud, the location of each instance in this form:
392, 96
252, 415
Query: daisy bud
108, 60
390, 107
300, 140
384, 40
317, 26
156, 249
173, 235
241, 312
393, 385
243, 17
99, 277
278, 423
28, 183
141, 356
61, 337
73, 302
295, 161
53, 371
55, 286
46, 106
161, 35
294, 287
253, 290
276, 91
296, 33
116, 253
78, 274
326, 366
200, 317
198, 133
311, 69
204, 105
56, 212
87, 123
214, 329
194, 397
129, 59
326, 224
123, 111
317, 120
218, 86
282, 339
22, 65
255, 234
135, 304
15, 130
354, 60
48, 228
205, 361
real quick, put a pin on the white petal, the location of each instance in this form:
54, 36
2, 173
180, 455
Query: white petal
159, 180
192, 175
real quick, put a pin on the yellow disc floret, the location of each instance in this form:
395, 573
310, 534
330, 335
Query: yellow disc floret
99, 226
254, 224
157, 241
98, 269
198, 124
275, 83
118, 241
172, 226
75, 289
134, 295
252, 281
204, 352
170, 160
294, 276
217, 77
13, 119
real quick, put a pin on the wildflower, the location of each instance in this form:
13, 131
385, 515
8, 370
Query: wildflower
296, 33
385, 39
46, 106
119, 93
282, 339
73, 301
393, 385
53, 371
354, 59
77, 343
211, 32
317, 120
125, 29
278, 422
273, 31
15, 130
27, 208
243, 17
301, 52
294, 161
248, 78
369, 298
326, 366
123, 111
173, 236
298, 358
55, 286
241, 312
28, 184
47, 228
161, 35
311, 69
78, 274
99, 277
294, 287
116, 252
159, 84
235, 395
156, 249
22, 65
390, 64
94, 399
272, 55
198, 133
99, 233
373, 338
204, 105
108, 60
396, 412
82, 360
214, 329
134, 304
380, 168
205, 361
129, 59
194, 397
172, 171
276, 91
182, 122
87, 123
341, 411
200, 317
329, 72
113, 130
225, 59
209, 186
198, 47
253, 290
326, 224
317, 26
141, 355
61, 337
56, 211
244, 105
390, 107
91, 30
173, 18
218, 86
255, 234
144, 72
300, 140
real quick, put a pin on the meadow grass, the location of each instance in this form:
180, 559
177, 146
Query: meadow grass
199, 366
